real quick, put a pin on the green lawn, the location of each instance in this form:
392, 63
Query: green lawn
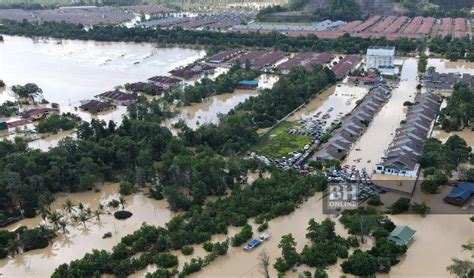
279, 143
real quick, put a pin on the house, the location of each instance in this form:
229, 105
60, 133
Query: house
164, 81
381, 58
37, 113
95, 106
148, 88
460, 194
401, 235
225, 55
118, 98
192, 70
247, 84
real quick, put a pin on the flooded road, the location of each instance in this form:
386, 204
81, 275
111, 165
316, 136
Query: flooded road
371, 146
69, 71
80, 239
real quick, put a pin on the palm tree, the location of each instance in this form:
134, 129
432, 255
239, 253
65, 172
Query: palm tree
13, 247
81, 206
83, 219
46, 199
122, 202
44, 212
55, 217
63, 224
97, 214
68, 205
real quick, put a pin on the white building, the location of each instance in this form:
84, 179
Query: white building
381, 58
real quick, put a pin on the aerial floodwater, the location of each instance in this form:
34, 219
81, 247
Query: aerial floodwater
370, 148
69, 71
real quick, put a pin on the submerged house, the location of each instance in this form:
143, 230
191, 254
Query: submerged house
95, 106
401, 156
192, 70
118, 98
460, 194
247, 84
37, 113
225, 55
354, 125
164, 81
401, 235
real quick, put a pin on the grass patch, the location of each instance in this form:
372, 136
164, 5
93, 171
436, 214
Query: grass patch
279, 143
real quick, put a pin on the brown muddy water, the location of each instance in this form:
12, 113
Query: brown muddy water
69, 71
446, 66
371, 146
80, 239
209, 111
341, 99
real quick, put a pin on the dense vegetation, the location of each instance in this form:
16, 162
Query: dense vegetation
224, 83
459, 111
291, 91
439, 160
55, 123
453, 49
8, 109
326, 246
272, 197
214, 40
24, 239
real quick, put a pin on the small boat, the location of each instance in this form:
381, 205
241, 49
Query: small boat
253, 244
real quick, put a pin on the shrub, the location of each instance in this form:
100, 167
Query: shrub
244, 235
263, 227
165, 260
122, 214
208, 246
401, 205
187, 250
126, 188
374, 201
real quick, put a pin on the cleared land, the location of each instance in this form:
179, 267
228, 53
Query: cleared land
279, 143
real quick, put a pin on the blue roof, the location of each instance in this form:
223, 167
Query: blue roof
254, 243
463, 191
248, 82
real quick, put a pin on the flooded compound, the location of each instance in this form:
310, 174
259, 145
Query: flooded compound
446, 66
339, 99
370, 148
209, 110
465, 134
81, 239
70, 71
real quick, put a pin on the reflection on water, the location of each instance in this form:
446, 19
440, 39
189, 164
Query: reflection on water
208, 111
370, 147
80, 239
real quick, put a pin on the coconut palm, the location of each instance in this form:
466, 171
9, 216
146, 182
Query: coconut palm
68, 205
122, 202
55, 217
46, 199
97, 214
44, 212
63, 224
81, 206
83, 218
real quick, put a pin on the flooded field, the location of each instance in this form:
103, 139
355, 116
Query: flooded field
80, 239
208, 111
69, 71
446, 66
465, 134
370, 147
